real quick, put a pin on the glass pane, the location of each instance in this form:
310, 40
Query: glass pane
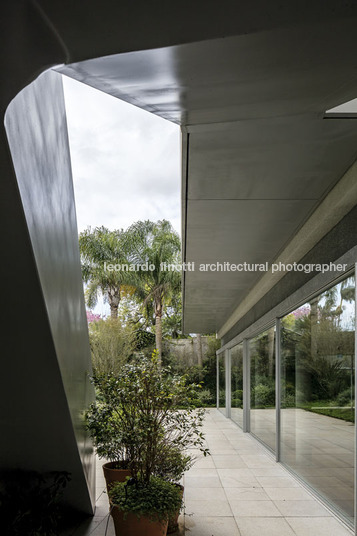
222, 382
237, 384
262, 387
317, 416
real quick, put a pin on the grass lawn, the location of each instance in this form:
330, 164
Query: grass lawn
331, 409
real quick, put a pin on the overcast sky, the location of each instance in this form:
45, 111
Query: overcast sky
125, 161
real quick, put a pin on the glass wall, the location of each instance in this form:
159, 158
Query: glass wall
262, 387
317, 375
222, 382
237, 384
317, 403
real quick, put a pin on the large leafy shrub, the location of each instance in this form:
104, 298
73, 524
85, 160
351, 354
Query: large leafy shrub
112, 344
143, 414
263, 395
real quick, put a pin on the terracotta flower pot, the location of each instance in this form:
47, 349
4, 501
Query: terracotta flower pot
134, 526
173, 521
114, 474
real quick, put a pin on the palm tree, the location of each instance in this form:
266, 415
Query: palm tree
97, 247
156, 245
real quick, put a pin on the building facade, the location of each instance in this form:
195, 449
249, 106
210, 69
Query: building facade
268, 178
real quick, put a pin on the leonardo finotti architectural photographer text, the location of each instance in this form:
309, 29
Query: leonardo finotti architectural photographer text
227, 267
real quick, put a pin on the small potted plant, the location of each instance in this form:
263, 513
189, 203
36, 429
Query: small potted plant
144, 506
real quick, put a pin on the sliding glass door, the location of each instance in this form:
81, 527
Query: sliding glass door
237, 384
262, 387
317, 403
317, 415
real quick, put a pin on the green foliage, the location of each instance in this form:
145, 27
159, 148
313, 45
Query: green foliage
288, 401
263, 395
30, 502
172, 462
328, 375
346, 414
172, 317
237, 398
144, 414
204, 376
222, 398
238, 394
318, 353
206, 398
157, 244
209, 372
157, 499
152, 297
112, 344
287, 388
288, 396
111, 437
99, 246
143, 339
345, 397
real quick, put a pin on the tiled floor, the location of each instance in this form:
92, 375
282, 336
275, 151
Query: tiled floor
319, 448
237, 491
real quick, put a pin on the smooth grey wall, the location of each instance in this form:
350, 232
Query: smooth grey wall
53, 364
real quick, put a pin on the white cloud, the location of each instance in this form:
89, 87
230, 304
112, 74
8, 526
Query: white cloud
125, 161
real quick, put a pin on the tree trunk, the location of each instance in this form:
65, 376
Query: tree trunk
114, 300
158, 328
113, 311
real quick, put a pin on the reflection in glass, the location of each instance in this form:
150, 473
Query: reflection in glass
317, 415
237, 384
222, 382
262, 387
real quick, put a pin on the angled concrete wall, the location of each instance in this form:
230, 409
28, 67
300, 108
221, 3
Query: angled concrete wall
46, 386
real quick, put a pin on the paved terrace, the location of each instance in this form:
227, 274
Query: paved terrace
238, 491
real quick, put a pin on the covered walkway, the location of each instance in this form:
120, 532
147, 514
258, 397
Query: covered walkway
238, 491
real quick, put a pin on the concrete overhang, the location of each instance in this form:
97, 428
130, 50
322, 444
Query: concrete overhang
258, 154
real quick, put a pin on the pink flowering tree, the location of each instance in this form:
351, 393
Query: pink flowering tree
92, 317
